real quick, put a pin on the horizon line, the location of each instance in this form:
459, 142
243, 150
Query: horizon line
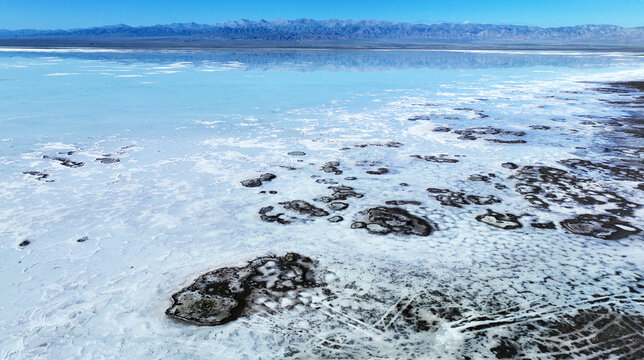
322, 20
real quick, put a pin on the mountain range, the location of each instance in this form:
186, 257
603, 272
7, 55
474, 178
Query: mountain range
314, 33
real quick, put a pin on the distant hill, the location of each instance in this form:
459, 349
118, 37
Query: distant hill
314, 33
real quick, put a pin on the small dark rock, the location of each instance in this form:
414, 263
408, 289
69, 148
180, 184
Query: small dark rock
65, 162
83, 239
258, 181
107, 160
504, 141
267, 177
442, 158
296, 153
251, 183
340, 192
337, 205
304, 207
509, 165
546, 225
24, 243
332, 167
502, 221
39, 175
402, 202
379, 171
335, 219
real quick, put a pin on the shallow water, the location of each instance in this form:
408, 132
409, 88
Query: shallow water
110, 241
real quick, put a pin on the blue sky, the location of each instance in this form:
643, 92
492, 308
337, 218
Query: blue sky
54, 14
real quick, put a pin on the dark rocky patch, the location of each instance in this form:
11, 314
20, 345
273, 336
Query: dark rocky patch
474, 133
619, 172
304, 207
509, 165
601, 226
595, 333
479, 114
539, 127
422, 117
326, 181
83, 239
379, 171
335, 219
64, 161
24, 243
338, 205
258, 181
502, 221
505, 141
536, 201
340, 192
331, 167
402, 202
458, 199
276, 218
442, 129
350, 178
272, 192
107, 160
389, 144
441, 158
545, 225
481, 177
505, 350
561, 187
225, 294
296, 153
37, 174
384, 220
251, 183
524, 189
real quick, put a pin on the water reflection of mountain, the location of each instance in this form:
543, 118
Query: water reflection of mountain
345, 60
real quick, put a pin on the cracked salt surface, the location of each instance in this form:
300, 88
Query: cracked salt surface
92, 254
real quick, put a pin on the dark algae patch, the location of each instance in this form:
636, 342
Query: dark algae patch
225, 294
384, 220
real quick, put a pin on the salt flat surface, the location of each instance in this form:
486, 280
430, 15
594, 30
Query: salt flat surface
110, 241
